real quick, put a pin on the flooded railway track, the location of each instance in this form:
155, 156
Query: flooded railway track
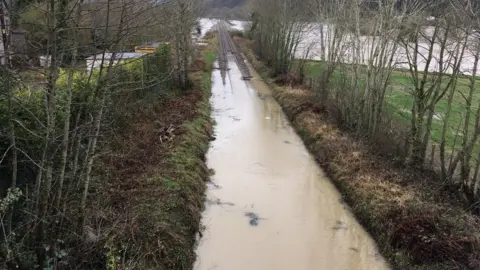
269, 206
226, 46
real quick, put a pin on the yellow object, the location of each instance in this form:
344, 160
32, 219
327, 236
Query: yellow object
145, 49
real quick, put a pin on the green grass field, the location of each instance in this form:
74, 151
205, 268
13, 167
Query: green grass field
399, 100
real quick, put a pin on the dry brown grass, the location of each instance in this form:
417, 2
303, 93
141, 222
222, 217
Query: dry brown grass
415, 226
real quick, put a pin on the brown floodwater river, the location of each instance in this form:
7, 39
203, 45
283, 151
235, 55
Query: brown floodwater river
269, 206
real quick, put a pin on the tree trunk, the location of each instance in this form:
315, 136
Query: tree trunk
68, 105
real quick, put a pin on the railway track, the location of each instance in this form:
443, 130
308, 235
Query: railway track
227, 47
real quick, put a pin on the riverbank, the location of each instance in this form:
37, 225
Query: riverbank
157, 177
413, 222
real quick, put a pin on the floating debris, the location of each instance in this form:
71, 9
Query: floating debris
254, 218
258, 163
234, 118
214, 185
287, 142
217, 201
339, 225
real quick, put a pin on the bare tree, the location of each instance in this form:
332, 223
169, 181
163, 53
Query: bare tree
63, 131
278, 31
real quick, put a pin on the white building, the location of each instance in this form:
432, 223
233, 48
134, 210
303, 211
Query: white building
95, 61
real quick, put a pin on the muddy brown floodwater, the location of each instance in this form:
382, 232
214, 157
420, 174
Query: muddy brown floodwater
269, 206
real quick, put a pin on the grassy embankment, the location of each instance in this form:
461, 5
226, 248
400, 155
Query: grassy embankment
156, 178
414, 224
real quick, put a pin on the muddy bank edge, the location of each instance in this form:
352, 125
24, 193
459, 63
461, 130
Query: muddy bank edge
412, 227
188, 174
